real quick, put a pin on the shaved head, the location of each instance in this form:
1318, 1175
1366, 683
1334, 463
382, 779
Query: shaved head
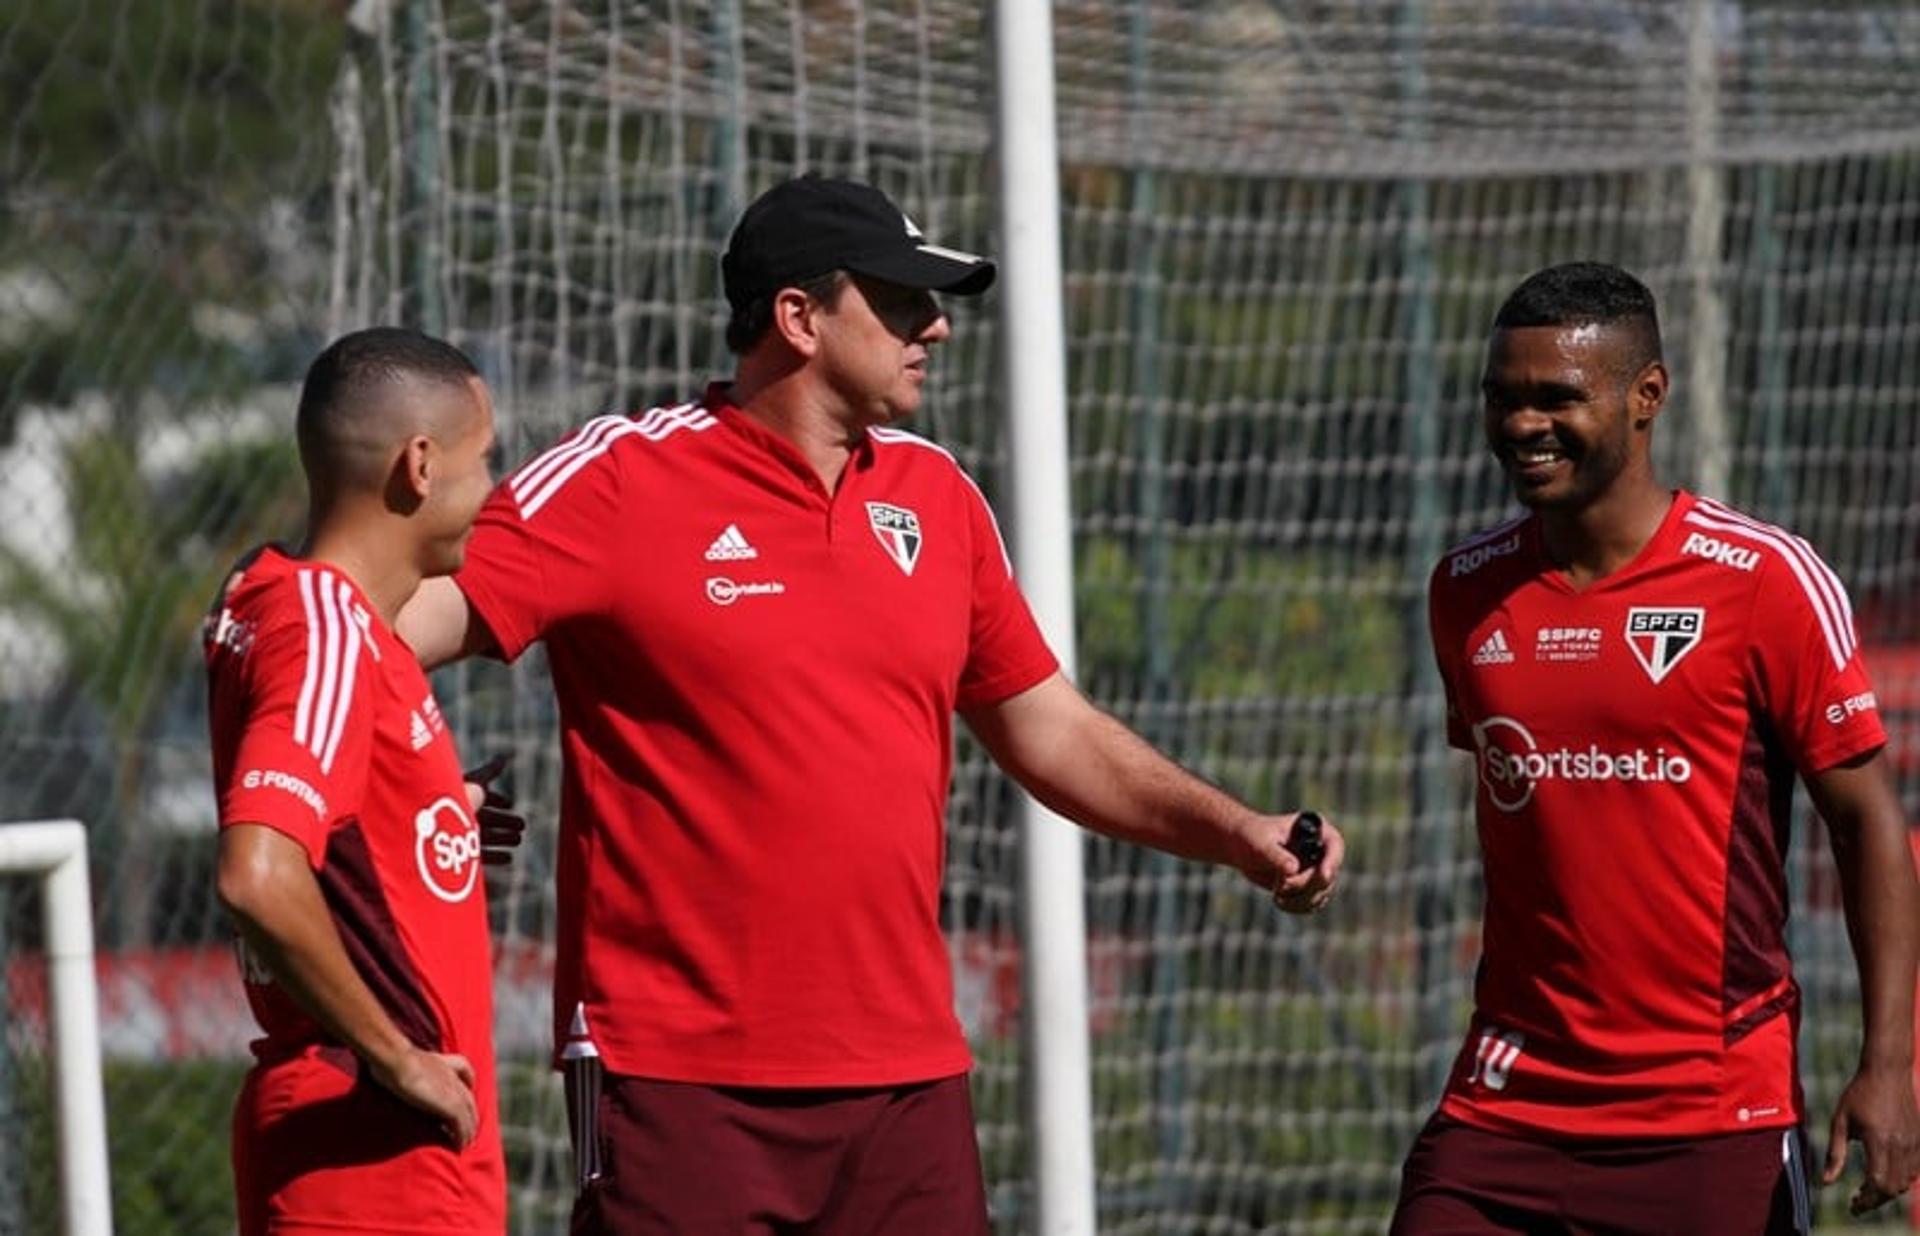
362, 401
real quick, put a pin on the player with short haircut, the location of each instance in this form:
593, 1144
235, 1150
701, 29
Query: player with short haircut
349, 845
761, 609
1640, 672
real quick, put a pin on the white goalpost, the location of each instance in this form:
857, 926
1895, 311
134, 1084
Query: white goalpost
1059, 1092
56, 852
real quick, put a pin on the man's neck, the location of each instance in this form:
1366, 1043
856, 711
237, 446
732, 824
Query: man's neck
792, 407
1608, 533
373, 558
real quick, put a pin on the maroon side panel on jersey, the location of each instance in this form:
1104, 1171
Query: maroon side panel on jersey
365, 921
1756, 951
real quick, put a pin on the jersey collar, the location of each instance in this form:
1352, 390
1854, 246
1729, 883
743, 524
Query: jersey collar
719, 402
1659, 547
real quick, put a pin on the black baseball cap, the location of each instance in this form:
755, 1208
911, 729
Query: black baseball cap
813, 224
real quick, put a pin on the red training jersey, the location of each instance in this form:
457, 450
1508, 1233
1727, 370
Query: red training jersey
756, 683
325, 729
1636, 744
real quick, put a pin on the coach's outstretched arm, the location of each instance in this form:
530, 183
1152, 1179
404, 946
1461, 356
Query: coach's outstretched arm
1098, 773
1882, 901
439, 625
266, 885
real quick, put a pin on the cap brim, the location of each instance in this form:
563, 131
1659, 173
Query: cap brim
929, 267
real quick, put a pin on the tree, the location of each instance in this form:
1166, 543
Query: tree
150, 550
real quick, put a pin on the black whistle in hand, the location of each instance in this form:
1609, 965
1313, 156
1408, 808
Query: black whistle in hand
1304, 841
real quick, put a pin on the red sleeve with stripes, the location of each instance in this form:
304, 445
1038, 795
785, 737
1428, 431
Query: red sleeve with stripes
1807, 661
537, 556
304, 716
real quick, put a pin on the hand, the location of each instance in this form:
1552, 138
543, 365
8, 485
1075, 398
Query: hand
501, 828
1877, 1110
1267, 862
439, 1085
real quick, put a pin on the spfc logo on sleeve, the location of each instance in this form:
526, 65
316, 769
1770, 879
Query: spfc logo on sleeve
899, 532
1659, 637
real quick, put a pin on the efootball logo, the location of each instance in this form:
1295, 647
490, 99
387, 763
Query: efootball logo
1659, 637
898, 530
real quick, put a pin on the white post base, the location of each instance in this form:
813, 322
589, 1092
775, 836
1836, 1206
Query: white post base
56, 851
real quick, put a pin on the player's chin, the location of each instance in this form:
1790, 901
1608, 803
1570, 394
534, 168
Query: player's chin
1551, 496
898, 410
450, 558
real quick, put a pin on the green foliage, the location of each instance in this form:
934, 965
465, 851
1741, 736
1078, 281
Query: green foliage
1242, 622
149, 554
1240, 627
200, 102
148, 147
167, 1145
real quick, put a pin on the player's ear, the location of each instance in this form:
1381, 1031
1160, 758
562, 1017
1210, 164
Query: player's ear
1647, 394
414, 471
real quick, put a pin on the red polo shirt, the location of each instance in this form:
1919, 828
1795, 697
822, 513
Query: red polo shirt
756, 684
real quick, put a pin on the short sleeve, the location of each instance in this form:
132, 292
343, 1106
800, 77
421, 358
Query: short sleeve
1006, 654
1458, 733
1807, 665
302, 699
538, 552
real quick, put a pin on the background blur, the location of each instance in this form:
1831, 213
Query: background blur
1286, 226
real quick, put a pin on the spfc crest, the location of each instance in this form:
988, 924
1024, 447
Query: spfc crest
1659, 637
899, 532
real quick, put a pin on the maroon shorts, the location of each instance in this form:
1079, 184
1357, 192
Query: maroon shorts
673, 1157
1464, 1181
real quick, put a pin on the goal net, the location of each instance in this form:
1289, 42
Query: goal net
1285, 225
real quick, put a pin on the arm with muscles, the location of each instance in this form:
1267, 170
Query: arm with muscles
440, 625
1882, 902
529, 567
1095, 771
267, 886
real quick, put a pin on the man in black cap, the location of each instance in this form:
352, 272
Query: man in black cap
761, 611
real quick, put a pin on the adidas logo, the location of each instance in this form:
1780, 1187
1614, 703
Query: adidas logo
1495, 650
730, 546
421, 734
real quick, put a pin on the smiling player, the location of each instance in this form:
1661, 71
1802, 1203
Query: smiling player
1640, 673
